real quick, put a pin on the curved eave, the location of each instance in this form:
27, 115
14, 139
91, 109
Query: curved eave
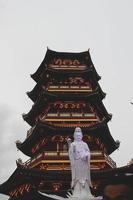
37, 90
11, 182
107, 115
42, 130
34, 94
20, 176
110, 143
35, 76
35, 175
51, 54
23, 175
89, 71
124, 170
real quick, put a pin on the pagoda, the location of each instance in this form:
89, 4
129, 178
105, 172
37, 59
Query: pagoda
66, 95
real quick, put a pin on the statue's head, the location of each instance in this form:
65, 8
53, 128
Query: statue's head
78, 134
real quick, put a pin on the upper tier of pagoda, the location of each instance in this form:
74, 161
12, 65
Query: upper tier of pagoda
56, 108
67, 89
63, 62
67, 84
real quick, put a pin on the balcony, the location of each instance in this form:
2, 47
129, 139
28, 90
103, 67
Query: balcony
65, 88
70, 117
57, 160
67, 67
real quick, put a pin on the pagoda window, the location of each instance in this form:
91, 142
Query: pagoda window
48, 153
64, 114
52, 115
89, 115
77, 115
52, 86
64, 87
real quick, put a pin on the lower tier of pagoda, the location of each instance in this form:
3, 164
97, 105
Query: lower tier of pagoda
53, 160
54, 138
25, 183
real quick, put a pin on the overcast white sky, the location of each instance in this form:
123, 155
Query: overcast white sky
28, 27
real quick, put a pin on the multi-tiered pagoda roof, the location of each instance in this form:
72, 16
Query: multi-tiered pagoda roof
67, 94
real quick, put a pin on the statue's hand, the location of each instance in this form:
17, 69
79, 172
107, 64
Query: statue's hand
84, 157
91, 186
68, 140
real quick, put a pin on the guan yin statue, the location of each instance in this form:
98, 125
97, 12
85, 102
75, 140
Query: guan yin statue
79, 155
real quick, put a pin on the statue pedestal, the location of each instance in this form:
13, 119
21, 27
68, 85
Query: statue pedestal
79, 193
82, 192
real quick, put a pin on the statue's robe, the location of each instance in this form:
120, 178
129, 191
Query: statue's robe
79, 155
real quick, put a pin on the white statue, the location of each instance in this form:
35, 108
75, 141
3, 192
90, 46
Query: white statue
79, 155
